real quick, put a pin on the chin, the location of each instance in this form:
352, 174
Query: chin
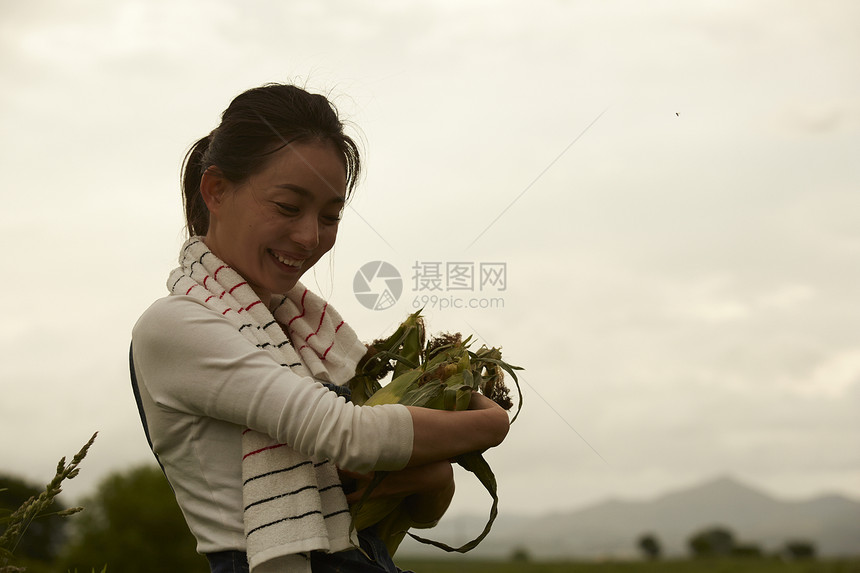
285, 287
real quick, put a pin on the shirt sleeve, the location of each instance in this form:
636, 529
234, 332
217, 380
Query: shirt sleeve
192, 360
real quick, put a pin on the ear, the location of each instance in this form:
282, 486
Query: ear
213, 188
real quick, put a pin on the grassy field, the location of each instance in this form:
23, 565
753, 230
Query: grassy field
669, 566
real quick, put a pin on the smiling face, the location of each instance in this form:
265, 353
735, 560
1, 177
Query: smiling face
276, 225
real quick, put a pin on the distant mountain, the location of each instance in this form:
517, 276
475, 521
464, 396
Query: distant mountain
611, 528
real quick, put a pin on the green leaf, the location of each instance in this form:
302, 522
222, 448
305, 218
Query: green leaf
476, 464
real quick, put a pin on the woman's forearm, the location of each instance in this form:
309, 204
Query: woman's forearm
441, 434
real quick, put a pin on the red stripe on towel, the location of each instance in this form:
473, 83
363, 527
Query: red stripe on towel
237, 286
191, 288
326, 351
303, 308
322, 316
336, 328
263, 450
250, 306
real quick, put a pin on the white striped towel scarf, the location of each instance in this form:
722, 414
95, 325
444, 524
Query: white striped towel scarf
293, 504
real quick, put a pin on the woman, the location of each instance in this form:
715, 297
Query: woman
233, 371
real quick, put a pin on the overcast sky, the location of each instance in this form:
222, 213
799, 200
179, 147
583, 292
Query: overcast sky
672, 188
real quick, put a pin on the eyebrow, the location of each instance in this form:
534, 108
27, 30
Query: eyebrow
298, 189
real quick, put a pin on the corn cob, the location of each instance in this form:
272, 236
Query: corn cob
440, 374
377, 362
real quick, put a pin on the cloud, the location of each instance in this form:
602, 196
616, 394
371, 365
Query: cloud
835, 377
818, 117
786, 296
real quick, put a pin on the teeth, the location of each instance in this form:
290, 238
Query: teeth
290, 262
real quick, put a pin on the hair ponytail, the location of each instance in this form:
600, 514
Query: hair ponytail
196, 212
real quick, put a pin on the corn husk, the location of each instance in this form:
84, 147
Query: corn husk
442, 374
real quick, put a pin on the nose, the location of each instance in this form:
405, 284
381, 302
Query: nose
305, 232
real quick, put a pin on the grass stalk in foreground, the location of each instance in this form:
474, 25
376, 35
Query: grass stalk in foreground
20, 519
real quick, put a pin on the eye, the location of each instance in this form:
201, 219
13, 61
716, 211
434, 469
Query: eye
287, 209
331, 219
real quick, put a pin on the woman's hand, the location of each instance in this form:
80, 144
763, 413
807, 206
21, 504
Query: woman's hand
354, 484
427, 489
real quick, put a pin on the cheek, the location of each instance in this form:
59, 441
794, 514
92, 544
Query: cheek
328, 236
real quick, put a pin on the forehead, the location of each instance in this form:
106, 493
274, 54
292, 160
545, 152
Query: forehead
308, 168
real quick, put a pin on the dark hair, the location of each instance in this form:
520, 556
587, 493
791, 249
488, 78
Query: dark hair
258, 123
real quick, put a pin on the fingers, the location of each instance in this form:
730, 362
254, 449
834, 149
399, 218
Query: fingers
355, 475
354, 484
354, 497
481, 402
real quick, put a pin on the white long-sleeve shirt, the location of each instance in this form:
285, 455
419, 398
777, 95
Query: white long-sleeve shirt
201, 383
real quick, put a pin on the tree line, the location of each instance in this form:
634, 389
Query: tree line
719, 541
